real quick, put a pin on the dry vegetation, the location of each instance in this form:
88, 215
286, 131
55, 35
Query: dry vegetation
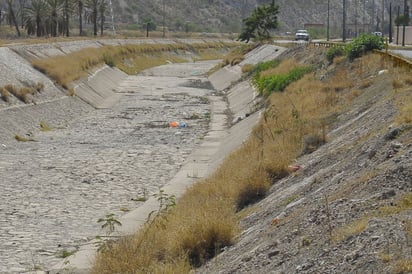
130, 58
22, 93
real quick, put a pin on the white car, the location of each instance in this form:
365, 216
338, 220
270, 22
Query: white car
302, 34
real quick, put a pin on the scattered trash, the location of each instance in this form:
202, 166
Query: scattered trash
294, 168
175, 124
275, 221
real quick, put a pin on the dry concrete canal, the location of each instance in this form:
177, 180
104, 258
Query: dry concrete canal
54, 189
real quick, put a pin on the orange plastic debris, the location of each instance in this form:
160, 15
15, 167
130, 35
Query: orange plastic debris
174, 124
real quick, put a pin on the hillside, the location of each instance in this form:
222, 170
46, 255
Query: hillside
226, 15
347, 209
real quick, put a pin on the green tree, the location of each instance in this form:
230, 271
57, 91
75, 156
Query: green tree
402, 20
260, 22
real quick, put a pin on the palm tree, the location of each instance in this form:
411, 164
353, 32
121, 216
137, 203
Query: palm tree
102, 10
34, 17
67, 9
12, 16
55, 9
80, 6
93, 5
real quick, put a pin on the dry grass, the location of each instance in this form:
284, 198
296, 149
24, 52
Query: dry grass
403, 266
404, 104
131, 58
23, 139
22, 93
5, 95
247, 68
44, 126
365, 83
385, 257
351, 229
404, 203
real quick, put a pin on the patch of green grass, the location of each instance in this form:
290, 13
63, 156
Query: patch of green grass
65, 253
278, 82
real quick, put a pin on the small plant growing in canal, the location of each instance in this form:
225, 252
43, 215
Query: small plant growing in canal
65, 253
109, 223
166, 202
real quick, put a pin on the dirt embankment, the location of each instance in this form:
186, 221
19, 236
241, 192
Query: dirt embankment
348, 208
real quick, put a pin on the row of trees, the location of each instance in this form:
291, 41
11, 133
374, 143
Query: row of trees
52, 17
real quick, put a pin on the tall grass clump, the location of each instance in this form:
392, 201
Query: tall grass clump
21, 93
5, 95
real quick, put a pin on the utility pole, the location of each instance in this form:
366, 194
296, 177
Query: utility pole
397, 26
373, 16
405, 14
164, 19
356, 18
328, 22
364, 16
344, 22
390, 23
383, 16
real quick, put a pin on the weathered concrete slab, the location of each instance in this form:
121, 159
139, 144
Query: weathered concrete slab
229, 75
99, 89
242, 100
262, 53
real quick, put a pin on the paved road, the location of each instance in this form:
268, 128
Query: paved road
405, 53
52, 191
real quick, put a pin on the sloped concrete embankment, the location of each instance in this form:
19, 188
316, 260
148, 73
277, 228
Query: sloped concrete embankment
223, 137
51, 105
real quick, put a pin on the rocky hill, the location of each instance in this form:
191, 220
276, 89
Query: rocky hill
226, 15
